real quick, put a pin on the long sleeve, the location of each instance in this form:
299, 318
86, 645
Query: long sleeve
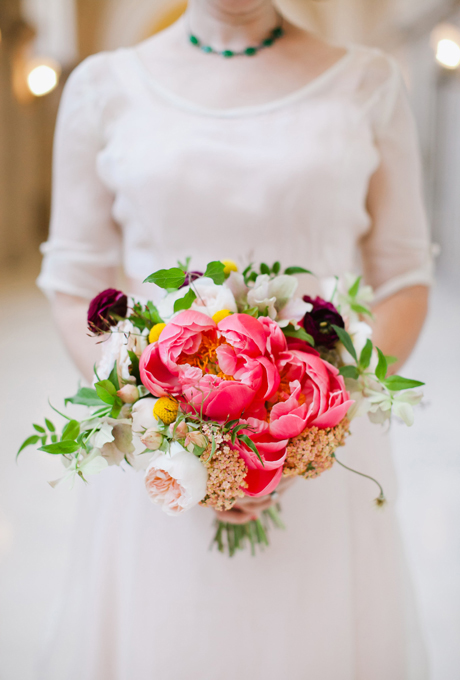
396, 252
83, 252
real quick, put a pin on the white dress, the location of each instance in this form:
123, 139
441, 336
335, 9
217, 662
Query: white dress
327, 178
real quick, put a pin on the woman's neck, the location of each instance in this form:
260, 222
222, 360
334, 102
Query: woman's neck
231, 24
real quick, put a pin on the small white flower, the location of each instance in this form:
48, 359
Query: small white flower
210, 299
275, 296
124, 338
88, 464
176, 481
359, 332
142, 414
103, 436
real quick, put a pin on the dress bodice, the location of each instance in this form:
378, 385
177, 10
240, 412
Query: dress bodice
327, 178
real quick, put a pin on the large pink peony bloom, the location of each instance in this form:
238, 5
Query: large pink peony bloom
218, 369
314, 395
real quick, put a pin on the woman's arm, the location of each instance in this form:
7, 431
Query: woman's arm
70, 314
398, 322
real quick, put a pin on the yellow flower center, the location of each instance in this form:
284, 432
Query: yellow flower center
155, 333
206, 357
218, 316
166, 409
230, 266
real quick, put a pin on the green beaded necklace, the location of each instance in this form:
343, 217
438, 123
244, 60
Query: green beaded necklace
274, 35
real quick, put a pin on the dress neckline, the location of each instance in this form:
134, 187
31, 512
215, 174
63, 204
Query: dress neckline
252, 110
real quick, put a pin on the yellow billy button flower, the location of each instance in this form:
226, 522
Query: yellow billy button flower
155, 333
218, 316
166, 409
230, 267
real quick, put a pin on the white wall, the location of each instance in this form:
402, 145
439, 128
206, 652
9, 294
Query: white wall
55, 23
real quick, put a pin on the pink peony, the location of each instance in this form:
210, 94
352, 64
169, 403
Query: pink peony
264, 473
219, 369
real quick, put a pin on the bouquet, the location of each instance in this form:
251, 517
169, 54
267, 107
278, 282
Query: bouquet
229, 384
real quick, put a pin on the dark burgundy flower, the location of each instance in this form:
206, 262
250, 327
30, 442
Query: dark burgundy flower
104, 307
318, 323
190, 277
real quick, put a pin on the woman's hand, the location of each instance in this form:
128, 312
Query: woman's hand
248, 508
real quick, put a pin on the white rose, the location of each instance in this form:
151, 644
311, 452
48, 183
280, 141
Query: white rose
210, 299
176, 481
276, 295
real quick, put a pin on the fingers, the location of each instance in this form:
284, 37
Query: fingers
235, 516
257, 506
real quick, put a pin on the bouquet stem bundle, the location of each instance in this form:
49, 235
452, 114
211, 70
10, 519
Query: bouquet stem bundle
231, 538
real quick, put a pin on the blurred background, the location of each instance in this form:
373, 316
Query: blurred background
41, 41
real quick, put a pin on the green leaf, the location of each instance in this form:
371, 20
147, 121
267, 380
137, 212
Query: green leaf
296, 270
167, 278
300, 333
396, 383
39, 428
250, 444
390, 359
113, 377
264, 268
34, 439
85, 396
215, 271
185, 302
353, 290
154, 313
106, 391
276, 268
349, 372
366, 355
44, 440
236, 429
117, 406
50, 425
54, 438
382, 366
71, 431
61, 448
346, 341
134, 368
359, 309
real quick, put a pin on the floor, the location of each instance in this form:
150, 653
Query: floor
36, 521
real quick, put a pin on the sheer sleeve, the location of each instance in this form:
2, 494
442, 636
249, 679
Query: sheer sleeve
396, 252
83, 252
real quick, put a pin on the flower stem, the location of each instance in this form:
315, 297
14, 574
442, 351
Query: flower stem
231, 538
381, 500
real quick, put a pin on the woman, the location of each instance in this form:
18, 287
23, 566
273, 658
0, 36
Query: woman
301, 152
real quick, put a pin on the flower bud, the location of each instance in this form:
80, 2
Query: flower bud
197, 439
152, 439
180, 431
129, 394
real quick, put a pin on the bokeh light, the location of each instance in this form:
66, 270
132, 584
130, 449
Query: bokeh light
448, 53
42, 79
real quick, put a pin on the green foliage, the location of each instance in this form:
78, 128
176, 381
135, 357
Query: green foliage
349, 372
85, 396
346, 341
397, 383
61, 448
296, 270
167, 278
106, 391
276, 268
50, 425
353, 290
134, 367
70, 431
366, 355
382, 366
30, 441
39, 428
145, 317
215, 271
113, 377
185, 302
250, 444
265, 269
299, 333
